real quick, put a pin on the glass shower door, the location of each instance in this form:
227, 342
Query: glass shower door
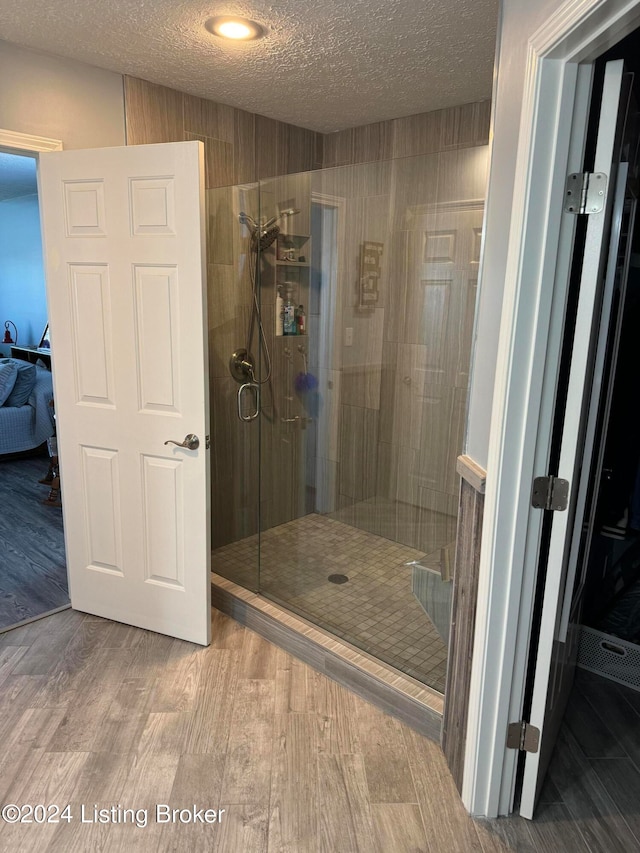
232, 282
365, 412
341, 317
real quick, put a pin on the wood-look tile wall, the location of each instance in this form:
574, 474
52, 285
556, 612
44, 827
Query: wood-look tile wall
465, 594
368, 457
425, 133
240, 148
403, 380
234, 445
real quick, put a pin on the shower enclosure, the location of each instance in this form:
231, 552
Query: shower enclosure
334, 486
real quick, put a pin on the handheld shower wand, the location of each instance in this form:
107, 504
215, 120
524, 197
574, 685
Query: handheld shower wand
262, 235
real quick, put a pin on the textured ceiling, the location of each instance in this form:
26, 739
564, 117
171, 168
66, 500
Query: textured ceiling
324, 65
17, 176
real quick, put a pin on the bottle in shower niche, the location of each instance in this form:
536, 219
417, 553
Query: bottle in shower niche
289, 323
279, 314
301, 320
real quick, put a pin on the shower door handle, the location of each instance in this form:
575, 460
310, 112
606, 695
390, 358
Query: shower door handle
241, 390
191, 442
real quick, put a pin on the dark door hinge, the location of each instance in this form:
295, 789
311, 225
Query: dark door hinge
523, 737
550, 493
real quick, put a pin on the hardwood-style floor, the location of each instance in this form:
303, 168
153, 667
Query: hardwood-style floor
103, 715
33, 575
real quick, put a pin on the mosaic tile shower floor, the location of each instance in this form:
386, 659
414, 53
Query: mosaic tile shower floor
375, 610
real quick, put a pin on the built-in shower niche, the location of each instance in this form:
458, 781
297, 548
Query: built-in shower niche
288, 422
362, 418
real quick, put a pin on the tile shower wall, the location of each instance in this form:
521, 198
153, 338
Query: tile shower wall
403, 365
240, 148
377, 421
425, 133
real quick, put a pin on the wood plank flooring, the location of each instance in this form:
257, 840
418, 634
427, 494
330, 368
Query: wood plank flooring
33, 576
101, 715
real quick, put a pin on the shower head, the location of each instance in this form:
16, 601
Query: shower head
262, 236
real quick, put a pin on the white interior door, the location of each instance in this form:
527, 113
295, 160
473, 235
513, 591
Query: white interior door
557, 644
123, 233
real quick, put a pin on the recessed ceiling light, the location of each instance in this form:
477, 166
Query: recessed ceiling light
238, 29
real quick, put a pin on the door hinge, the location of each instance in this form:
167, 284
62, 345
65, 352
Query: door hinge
585, 192
523, 736
550, 493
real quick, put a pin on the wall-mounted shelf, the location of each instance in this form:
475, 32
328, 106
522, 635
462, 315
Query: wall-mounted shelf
291, 271
297, 244
32, 354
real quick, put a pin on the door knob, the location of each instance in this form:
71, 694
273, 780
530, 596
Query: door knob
191, 442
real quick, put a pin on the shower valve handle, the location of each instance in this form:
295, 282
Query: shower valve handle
191, 442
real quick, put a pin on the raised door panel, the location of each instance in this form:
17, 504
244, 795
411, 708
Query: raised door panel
91, 319
157, 338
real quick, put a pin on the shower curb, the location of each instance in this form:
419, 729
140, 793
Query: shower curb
398, 695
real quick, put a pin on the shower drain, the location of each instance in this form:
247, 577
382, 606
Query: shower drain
338, 578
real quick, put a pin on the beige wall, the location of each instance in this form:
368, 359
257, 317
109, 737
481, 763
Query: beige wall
58, 98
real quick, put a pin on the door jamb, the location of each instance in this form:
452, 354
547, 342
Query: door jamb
528, 357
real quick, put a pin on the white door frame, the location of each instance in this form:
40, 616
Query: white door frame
15, 142
25, 143
529, 349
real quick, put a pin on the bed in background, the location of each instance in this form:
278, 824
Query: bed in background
27, 426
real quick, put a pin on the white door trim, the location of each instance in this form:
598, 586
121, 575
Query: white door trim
527, 364
27, 142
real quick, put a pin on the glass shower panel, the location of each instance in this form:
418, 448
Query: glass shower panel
232, 280
363, 416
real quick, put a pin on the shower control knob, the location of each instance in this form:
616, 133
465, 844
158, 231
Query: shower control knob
191, 442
